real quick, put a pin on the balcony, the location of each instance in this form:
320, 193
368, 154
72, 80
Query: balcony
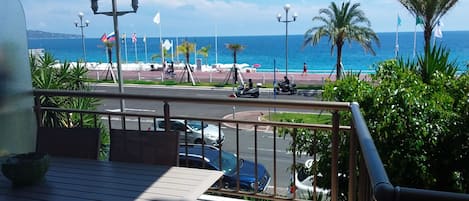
363, 172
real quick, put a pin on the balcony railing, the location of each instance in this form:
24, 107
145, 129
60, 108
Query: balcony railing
366, 177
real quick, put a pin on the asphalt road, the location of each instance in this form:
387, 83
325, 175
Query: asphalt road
246, 138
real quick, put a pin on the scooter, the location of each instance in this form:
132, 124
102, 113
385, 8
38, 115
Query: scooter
283, 87
246, 92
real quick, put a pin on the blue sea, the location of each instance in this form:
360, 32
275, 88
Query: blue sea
265, 50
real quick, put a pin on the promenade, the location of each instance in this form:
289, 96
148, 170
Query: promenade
216, 77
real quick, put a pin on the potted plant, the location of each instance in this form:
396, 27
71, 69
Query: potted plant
25, 169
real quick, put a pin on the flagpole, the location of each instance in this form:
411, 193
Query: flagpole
216, 44
415, 38
161, 42
135, 47
125, 48
145, 43
396, 51
172, 51
177, 51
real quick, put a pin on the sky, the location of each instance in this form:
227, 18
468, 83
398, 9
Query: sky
185, 18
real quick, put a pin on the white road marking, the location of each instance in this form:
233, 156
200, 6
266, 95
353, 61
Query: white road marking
131, 109
128, 119
267, 150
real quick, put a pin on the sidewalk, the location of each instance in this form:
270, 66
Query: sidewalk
218, 77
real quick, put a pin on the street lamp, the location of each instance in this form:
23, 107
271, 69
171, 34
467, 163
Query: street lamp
81, 26
286, 21
114, 13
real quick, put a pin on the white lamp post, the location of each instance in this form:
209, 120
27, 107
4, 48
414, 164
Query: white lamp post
82, 25
286, 21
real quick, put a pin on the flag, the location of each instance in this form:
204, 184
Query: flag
123, 38
104, 38
156, 19
134, 38
111, 37
438, 33
418, 20
399, 22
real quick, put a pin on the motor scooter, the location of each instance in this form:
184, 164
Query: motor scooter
284, 87
247, 92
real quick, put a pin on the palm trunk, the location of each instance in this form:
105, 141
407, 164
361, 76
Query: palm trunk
235, 69
339, 61
188, 66
427, 34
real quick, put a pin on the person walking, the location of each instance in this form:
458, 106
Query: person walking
305, 69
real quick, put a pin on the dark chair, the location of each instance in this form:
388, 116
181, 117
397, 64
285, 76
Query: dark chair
69, 142
150, 147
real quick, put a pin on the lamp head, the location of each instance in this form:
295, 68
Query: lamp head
94, 6
295, 15
87, 22
279, 16
287, 7
80, 15
76, 23
135, 5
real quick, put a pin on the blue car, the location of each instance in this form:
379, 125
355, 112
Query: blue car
247, 179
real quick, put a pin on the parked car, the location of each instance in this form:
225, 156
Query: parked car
305, 181
194, 131
247, 177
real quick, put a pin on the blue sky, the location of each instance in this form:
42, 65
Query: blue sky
225, 17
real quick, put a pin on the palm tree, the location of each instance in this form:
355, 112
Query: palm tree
347, 23
204, 52
235, 48
157, 56
186, 48
430, 11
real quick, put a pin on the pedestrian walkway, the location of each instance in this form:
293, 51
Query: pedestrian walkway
218, 77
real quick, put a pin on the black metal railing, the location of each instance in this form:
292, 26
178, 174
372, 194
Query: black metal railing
370, 182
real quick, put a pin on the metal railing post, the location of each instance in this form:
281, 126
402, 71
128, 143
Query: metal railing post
335, 156
352, 165
166, 116
37, 108
275, 159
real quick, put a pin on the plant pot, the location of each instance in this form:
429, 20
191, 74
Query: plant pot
26, 169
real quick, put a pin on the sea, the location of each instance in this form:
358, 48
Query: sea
267, 53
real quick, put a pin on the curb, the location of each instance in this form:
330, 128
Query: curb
254, 115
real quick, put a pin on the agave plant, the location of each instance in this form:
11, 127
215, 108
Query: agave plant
434, 60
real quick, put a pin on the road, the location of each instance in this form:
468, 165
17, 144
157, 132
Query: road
246, 138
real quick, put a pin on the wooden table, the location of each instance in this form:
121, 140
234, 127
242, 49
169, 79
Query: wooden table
78, 179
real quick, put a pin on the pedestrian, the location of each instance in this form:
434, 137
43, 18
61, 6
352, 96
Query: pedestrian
305, 69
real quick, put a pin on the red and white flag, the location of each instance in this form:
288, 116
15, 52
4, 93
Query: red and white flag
134, 38
104, 38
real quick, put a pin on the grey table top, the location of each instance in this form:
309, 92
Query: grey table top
79, 179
